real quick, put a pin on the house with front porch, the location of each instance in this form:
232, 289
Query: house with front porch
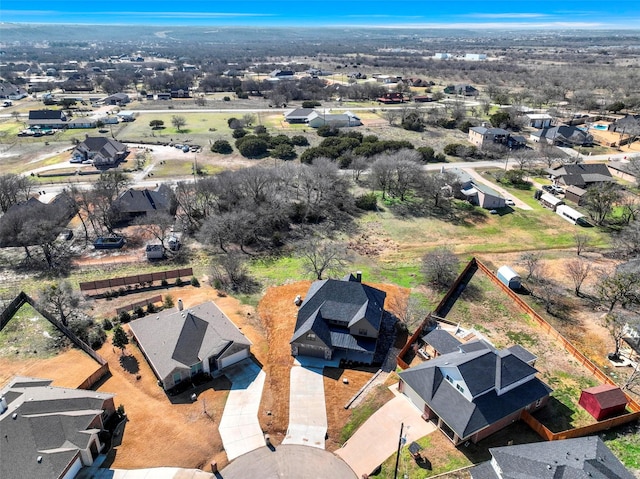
105, 152
475, 391
182, 343
339, 318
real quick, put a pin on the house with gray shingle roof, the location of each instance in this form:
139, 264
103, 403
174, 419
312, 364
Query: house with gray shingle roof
581, 175
134, 203
105, 152
580, 458
180, 344
339, 318
475, 391
50, 432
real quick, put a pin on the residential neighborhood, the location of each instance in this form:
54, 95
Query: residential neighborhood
318, 252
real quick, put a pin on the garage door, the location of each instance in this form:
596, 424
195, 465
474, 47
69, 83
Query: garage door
234, 358
310, 351
73, 471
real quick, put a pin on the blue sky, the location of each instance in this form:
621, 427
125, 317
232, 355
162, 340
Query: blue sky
450, 13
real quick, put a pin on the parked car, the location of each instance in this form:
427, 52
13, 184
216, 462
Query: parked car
509, 202
547, 188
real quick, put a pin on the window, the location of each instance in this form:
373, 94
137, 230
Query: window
362, 332
538, 402
311, 336
460, 388
448, 378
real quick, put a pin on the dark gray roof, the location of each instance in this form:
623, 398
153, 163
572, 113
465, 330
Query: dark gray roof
46, 115
347, 301
50, 422
563, 133
476, 345
581, 458
582, 173
299, 113
179, 339
489, 131
522, 353
484, 372
442, 341
108, 147
145, 201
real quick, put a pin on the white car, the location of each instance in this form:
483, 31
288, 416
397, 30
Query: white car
510, 202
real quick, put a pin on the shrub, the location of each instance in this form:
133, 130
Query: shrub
139, 312
178, 281
164, 282
120, 410
168, 301
96, 337
367, 202
195, 282
151, 308
107, 325
299, 140
284, 152
260, 130
310, 104
239, 133
226, 98
124, 317
327, 130
253, 148
222, 146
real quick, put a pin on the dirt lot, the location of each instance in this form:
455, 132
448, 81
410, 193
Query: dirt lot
278, 314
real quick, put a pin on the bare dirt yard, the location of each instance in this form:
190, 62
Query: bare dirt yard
278, 314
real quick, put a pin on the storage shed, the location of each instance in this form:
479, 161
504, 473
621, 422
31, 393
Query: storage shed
603, 401
509, 277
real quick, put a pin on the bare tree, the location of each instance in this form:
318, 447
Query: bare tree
14, 189
229, 272
440, 266
532, 262
615, 324
322, 256
358, 166
158, 224
627, 241
619, 288
582, 241
578, 270
60, 299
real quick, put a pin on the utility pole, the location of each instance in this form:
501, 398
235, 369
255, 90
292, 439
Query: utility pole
395, 471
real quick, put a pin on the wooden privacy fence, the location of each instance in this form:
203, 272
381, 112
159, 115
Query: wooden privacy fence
23, 298
445, 299
551, 331
139, 304
125, 281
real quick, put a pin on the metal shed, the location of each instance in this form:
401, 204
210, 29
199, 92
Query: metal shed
509, 277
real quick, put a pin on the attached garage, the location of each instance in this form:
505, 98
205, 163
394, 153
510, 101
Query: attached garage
313, 351
233, 358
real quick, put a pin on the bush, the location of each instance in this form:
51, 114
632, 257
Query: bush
179, 281
195, 282
299, 140
367, 202
138, 312
226, 98
284, 152
222, 146
260, 130
327, 130
447, 123
310, 104
120, 410
168, 301
151, 308
96, 337
464, 126
164, 283
239, 133
107, 325
124, 317
253, 148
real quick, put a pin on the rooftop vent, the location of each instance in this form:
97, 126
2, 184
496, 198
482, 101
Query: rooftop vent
39, 459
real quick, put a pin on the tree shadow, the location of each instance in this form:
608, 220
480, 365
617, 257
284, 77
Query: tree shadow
129, 363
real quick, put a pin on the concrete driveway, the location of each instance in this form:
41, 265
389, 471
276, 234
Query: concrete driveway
154, 473
480, 179
239, 426
378, 437
307, 409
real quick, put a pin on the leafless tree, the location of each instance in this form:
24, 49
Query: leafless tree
619, 288
229, 272
582, 242
615, 324
158, 224
578, 270
358, 166
14, 189
531, 261
440, 266
627, 240
178, 121
322, 256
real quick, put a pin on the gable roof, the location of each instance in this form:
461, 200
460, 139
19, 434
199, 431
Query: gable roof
484, 372
581, 458
108, 147
47, 115
582, 173
50, 422
563, 133
347, 301
483, 130
179, 339
607, 395
299, 113
145, 201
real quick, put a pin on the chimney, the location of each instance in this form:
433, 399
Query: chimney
359, 276
180, 305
